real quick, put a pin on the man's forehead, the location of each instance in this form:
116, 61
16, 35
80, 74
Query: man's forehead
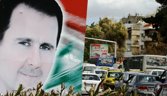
27, 14
30, 23
24, 10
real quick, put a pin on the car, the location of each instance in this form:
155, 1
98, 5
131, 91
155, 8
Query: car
128, 74
161, 89
101, 73
163, 76
111, 78
89, 80
156, 72
142, 84
88, 68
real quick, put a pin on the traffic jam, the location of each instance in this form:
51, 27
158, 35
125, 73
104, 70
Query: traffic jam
148, 78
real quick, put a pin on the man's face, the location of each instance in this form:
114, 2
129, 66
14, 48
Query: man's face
28, 47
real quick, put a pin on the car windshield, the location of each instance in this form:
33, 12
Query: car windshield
126, 76
90, 69
145, 78
100, 72
90, 77
157, 73
114, 74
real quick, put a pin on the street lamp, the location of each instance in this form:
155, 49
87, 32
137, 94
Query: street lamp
115, 43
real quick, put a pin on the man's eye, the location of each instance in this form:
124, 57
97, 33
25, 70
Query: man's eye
25, 43
45, 47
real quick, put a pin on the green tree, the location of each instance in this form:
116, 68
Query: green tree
108, 30
159, 21
114, 31
93, 31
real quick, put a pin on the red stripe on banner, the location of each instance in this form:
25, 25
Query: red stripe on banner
76, 26
77, 8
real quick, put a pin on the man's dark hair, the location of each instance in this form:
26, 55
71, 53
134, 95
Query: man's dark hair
49, 7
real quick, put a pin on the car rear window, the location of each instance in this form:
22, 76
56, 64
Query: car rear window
90, 77
146, 78
114, 74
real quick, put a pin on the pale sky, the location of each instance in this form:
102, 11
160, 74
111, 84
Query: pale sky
116, 9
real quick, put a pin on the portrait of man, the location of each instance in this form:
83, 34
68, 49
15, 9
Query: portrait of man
29, 35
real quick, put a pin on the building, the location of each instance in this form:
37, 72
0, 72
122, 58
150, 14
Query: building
149, 37
134, 44
131, 19
141, 36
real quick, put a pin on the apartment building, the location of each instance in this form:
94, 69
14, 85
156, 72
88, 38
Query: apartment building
134, 44
141, 36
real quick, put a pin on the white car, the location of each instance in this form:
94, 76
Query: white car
89, 80
156, 72
89, 68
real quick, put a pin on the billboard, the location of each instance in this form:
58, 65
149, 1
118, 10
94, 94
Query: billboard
98, 50
35, 45
107, 60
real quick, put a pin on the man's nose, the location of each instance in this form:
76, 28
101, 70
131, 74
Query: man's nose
34, 58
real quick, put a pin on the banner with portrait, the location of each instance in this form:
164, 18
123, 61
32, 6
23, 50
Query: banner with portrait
69, 55
42, 44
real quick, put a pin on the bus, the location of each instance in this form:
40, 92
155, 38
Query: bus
145, 62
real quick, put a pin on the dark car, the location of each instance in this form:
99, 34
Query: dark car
142, 84
161, 89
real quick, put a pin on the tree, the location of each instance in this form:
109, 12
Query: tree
93, 31
162, 2
108, 30
159, 21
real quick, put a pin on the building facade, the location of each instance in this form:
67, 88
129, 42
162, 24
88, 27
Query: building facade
134, 44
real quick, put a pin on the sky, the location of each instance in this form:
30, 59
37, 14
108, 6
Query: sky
117, 9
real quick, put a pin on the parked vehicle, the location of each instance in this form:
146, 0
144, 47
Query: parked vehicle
89, 80
142, 84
